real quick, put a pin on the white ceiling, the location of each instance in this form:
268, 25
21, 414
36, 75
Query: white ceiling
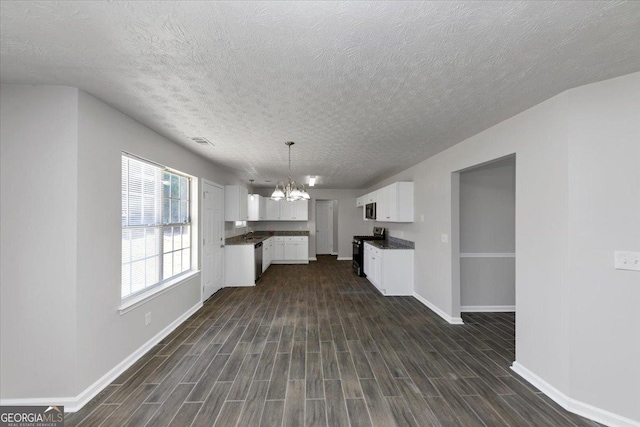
364, 88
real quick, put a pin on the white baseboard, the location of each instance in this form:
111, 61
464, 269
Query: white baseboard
74, 404
312, 258
488, 308
487, 255
572, 405
438, 311
306, 261
334, 253
345, 258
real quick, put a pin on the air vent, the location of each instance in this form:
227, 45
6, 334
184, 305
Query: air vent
202, 141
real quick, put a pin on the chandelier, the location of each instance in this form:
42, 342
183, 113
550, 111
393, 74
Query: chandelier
289, 192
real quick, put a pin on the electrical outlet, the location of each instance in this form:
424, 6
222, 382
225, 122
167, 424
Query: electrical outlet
147, 319
627, 260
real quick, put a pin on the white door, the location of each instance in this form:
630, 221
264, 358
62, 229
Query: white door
213, 239
324, 227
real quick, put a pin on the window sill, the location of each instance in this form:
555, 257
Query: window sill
144, 297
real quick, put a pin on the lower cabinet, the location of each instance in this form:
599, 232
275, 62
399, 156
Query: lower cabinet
277, 253
267, 253
239, 267
291, 250
389, 270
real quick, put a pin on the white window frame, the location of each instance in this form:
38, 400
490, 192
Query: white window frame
133, 299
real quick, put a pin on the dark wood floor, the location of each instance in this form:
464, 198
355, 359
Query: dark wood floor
318, 346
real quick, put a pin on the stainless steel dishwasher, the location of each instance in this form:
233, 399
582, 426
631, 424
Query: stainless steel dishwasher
258, 260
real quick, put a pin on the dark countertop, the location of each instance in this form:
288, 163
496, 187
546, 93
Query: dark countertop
385, 244
261, 236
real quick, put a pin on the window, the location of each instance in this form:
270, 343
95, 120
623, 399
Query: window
156, 225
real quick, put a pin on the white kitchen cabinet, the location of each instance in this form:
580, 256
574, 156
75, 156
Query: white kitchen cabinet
273, 210
295, 250
290, 250
371, 197
235, 203
277, 250
389, 270
287, 211
394, 203
239, 267
256, 208
360, 202
300, 210
267, 253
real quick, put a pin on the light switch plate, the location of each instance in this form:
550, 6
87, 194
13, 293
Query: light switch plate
627, 260
444, 238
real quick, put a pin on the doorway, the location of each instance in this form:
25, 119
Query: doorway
213, 235
483, 237
325, 230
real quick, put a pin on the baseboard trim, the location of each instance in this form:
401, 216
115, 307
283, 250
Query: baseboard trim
488, 308
487, 255
313, 258
438, 311
74, 404
345, 258
334, 253
280, 262
572, 405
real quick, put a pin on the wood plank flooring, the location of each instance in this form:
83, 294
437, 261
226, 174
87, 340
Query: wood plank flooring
315, 345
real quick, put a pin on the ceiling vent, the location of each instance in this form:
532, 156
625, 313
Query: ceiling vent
202, 141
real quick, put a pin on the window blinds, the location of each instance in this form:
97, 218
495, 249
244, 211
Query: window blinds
156, 227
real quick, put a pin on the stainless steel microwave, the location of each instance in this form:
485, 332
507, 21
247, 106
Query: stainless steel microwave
370, 211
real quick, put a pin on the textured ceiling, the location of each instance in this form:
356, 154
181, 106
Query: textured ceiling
364, 88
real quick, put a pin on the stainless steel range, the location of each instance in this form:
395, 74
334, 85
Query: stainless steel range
358, 249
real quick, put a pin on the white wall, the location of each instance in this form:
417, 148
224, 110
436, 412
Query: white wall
38, 178
604, 216
74, 193
103, 134
487, 227
576, 323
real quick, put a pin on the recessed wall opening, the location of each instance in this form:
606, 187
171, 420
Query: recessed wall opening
483, 249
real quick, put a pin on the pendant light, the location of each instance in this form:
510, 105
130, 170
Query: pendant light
253, 197
289, 192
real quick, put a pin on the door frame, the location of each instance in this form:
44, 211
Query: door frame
200, 235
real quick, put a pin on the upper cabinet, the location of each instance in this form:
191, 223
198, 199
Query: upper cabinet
294, 211
257, 207
287, 211
394, 203
360, 202
273, 210
370, 198
235, 203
